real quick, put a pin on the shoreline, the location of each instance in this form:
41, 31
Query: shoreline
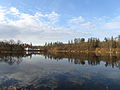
97, 51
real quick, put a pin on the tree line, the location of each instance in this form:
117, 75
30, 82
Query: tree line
11, 45
86, 44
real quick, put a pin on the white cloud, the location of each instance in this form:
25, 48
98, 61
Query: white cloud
88, 25
41, 27
37, 28
44, 27
84, 26
2, 13
112, 25
14, 11
77, 20
53, 17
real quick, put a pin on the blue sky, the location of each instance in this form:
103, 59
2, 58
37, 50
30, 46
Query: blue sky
41, 21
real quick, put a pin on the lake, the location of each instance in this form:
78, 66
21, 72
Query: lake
59, 71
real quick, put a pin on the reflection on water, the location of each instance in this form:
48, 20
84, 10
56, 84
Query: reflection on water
11, 58
81, 58
59, 71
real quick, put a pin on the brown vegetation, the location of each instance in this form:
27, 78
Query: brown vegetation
108, 45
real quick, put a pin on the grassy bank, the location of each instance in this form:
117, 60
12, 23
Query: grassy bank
97, 50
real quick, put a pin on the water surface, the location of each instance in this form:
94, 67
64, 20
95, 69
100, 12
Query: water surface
59, 71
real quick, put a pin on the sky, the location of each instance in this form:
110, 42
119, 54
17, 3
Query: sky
40, 21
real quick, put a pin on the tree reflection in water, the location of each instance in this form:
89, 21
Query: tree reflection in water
83, 58
50, 75
12, 58
76, 58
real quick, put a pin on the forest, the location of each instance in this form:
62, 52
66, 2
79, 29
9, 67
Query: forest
11, 45
92, 44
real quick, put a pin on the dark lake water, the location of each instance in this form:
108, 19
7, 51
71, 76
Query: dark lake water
59, 71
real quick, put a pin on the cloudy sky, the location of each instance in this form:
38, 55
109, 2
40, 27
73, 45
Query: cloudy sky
40, 21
